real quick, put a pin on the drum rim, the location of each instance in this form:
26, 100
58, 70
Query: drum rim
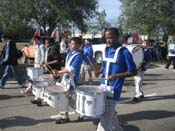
84, 114
88, 93
50, 91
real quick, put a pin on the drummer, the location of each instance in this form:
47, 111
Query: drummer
117, 64
72, 70
139, 77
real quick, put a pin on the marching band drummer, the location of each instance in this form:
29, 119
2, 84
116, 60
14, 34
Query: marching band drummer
138, 79
72, 69
117, 64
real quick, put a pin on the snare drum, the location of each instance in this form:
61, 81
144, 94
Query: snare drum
90, 100
137, 53
56, 97
34, 72
38, 91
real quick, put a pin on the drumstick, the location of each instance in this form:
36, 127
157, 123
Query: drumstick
101, 79
49, 69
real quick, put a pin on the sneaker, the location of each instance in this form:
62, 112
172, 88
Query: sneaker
135, 99
38, 103
1, 87
80, 118
166, 67
62, 120
142, 96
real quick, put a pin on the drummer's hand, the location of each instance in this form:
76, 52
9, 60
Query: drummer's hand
112, 77
42, 63
97, 73
45, 64
55, 73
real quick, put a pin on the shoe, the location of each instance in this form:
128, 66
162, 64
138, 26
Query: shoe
1, 87
39, 103
135, 99
62, 120
142, 96
80, 118
166, 67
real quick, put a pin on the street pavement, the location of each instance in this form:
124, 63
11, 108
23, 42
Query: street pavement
156, 112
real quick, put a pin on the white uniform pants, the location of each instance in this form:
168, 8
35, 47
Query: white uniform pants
109, 119
139, 84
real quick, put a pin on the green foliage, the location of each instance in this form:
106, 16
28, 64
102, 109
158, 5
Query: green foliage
46, 13
148, 16
98, 23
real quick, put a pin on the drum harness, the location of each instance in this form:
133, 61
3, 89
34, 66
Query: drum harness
110, 90
71, 74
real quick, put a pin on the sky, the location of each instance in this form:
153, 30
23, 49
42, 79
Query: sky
112, 8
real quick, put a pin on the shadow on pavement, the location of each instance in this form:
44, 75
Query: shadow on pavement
6, 97
148, 115
20, 121
150, 98
130, 128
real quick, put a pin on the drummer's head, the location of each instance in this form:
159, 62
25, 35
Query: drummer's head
145, 43
36, 40
75, 43
112, 36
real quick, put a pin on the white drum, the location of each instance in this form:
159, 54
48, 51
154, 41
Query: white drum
38, 91
47, 79
137, 53
34, 72
90, 100
56, 97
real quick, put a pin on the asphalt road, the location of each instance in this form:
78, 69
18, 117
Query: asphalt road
156, 112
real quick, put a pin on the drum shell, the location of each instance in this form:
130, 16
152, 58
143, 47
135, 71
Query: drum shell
34, 72
90, 104
57, 100
38, 91
137, 53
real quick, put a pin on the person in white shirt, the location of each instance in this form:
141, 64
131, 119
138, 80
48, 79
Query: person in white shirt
171, 53
39, 52
64, 45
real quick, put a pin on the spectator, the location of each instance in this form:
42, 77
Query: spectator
171, 53
9, 61
87, 61
52, 56
64, 45
158, 50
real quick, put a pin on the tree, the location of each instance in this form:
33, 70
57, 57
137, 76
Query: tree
47, 13
98, 24
149, 15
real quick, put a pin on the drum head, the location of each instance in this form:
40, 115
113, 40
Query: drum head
138, 55
90, 89
57, 89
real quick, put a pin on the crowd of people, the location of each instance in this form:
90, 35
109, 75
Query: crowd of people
117, 64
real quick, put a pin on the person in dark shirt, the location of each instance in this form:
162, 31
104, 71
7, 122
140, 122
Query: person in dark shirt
9, 60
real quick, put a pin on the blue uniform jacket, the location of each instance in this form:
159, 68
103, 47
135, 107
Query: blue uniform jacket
124, 63
75, 65
87, 52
